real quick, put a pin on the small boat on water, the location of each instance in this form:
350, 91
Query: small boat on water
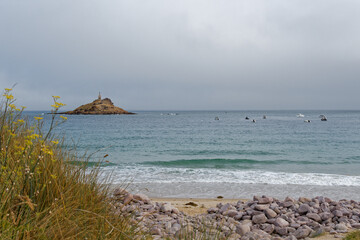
323, 118
216, 118
264, 117
247, 118
299, 115
307, 121
254, 121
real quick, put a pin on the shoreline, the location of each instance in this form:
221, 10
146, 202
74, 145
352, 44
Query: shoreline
241, 191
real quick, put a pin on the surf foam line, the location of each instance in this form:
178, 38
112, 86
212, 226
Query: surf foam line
144, 174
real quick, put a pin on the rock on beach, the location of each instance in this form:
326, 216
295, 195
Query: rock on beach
262, 218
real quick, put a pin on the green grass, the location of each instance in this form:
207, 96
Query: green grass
42, 195
353, 235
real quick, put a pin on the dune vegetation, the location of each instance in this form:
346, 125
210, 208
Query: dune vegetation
42, 196
355, 235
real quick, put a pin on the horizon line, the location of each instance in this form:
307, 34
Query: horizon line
215, 110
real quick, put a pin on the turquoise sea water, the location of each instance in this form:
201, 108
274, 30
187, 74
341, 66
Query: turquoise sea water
193, 147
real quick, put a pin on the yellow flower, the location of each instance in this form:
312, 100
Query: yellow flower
56, 97
12, 134
55, 106
21, 121
55, 142
50, 152
8, 89
35, 135
38, 118
53, 176
65, 118
60, 104
12, 106
32, 136
10, 97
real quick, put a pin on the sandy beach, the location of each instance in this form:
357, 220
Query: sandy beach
201, 190
194, 206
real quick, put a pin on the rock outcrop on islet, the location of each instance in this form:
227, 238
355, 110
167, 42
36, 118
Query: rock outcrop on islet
98, 107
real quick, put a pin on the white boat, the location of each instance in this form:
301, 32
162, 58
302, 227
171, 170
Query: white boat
299, 115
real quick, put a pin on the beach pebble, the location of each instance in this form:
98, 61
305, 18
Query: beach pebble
128, 198
290, 237
242, 229
259, 218
119, 192
302, 232
142, 197
341, 227
256, 235
356, 225
280, 222
270, 213
304, 199
288, 204
238, 216
226, 207
231, 213
265, 200
261, 207
155, 231
166, 207
212, 210
314, 217
317, 231
325, 216
263, 218
282, 231
304, 208
338, 213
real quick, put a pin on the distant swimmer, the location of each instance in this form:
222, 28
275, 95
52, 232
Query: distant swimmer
216, 118
247, 118
264, 117
254, 121
307, 121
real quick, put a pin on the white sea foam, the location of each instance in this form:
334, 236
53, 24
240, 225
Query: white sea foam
148, 174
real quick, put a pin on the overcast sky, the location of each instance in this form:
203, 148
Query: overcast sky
183, 54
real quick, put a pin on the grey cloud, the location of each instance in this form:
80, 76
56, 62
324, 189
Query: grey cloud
183, 54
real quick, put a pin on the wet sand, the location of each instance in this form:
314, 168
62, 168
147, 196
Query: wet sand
243, 191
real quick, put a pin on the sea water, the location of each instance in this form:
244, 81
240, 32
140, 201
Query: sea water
192, 154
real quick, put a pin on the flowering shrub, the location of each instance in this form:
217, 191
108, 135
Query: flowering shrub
42, 196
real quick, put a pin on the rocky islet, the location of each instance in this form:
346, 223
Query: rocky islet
98, 107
